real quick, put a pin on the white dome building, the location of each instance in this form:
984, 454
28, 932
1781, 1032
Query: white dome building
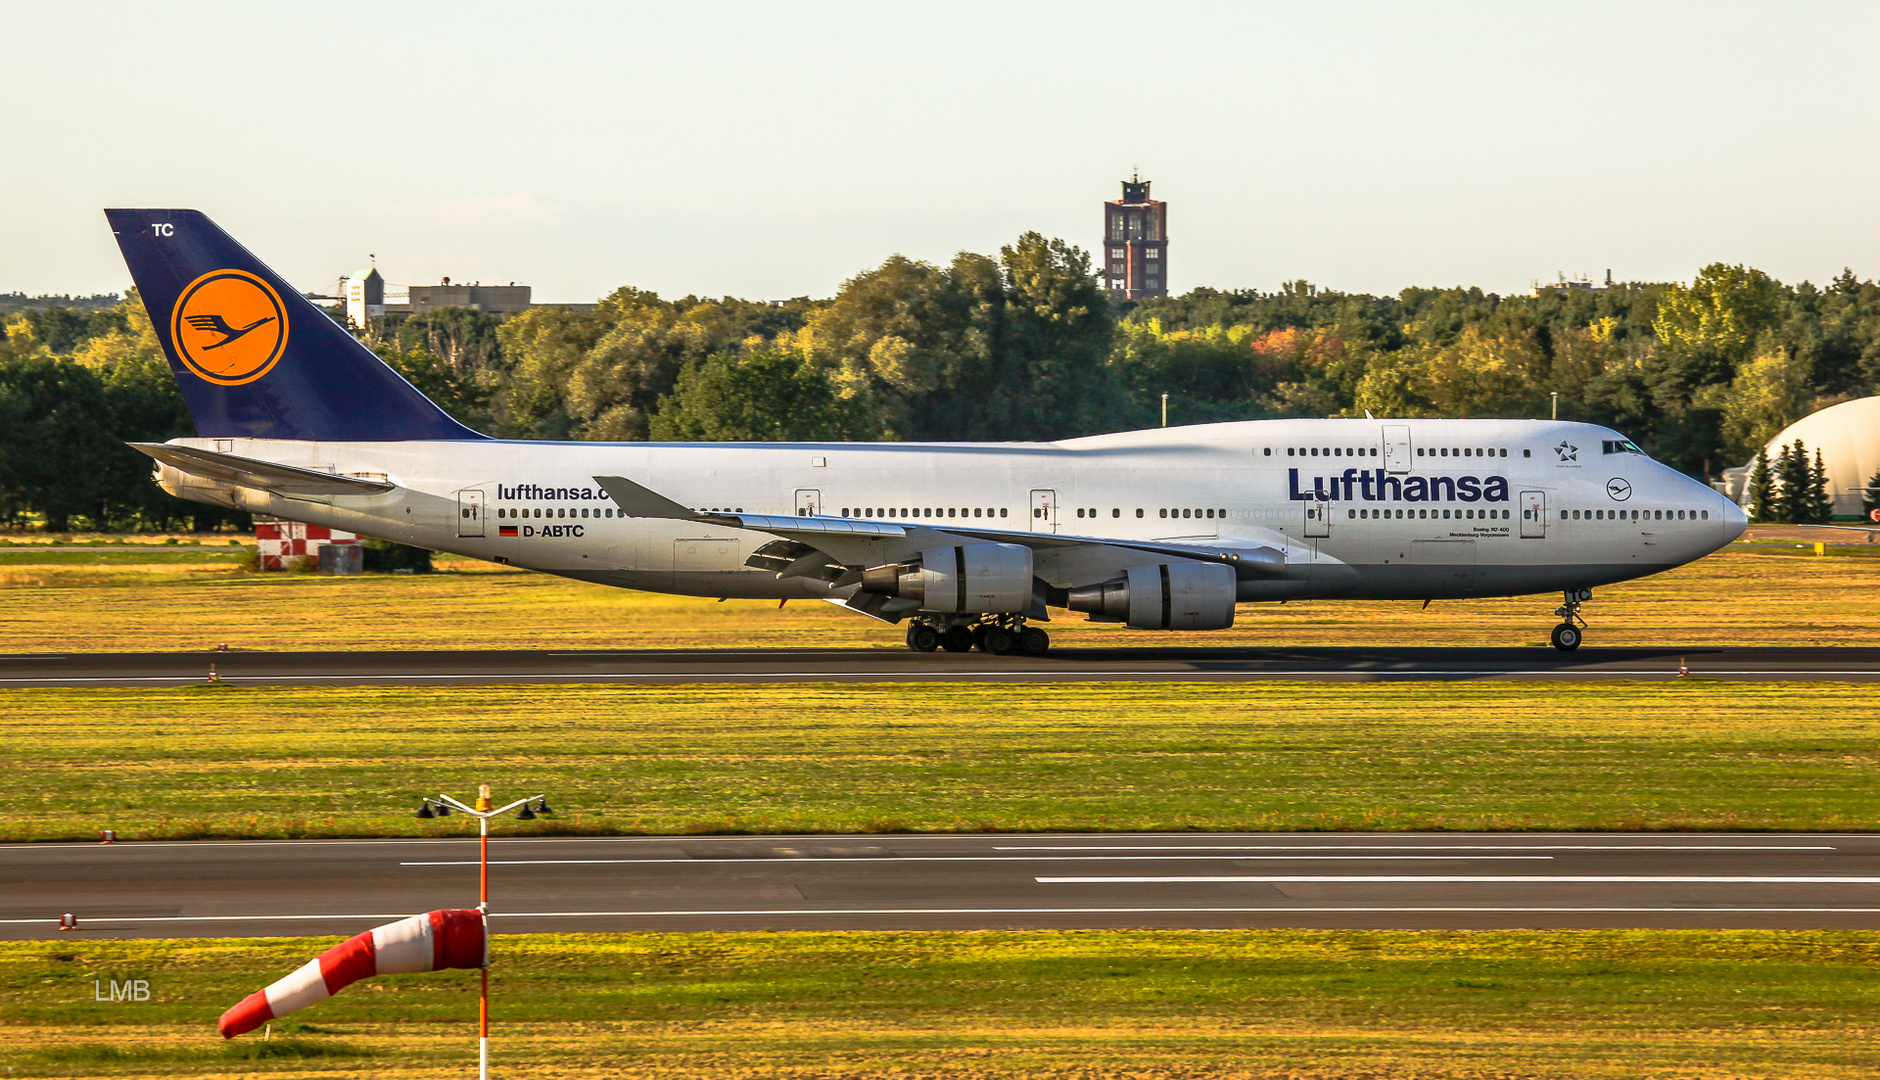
1848, 436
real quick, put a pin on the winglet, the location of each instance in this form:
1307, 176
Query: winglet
641, 502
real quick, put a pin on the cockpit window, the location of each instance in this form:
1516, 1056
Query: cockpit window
1620, 446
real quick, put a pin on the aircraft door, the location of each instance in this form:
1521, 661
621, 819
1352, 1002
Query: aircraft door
1397, 448
1044, 510
808, 502
470, 512
1533, 514
1318, 517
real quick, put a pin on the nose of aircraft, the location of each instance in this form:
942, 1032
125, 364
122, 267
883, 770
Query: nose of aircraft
1734, 519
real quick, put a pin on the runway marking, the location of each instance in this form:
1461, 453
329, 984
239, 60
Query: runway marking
1438, 879
880, 858
1427, 847
92, 921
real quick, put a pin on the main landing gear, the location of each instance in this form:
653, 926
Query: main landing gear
1566, 637
1001, 635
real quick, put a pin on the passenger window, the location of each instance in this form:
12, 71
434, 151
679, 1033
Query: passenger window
976, 512
1289, 451
1351, 513
1116, 512
1268, 451
1706, 514
1315, 451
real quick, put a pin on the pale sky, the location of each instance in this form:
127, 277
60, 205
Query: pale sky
769, 150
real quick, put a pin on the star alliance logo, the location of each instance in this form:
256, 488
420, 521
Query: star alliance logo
1567, 451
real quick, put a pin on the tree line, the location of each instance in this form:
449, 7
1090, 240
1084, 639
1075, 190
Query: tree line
1022, 344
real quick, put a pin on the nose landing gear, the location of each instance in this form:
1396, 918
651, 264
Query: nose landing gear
1566, 637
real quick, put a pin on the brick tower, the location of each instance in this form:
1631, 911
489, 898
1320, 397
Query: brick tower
1135, 243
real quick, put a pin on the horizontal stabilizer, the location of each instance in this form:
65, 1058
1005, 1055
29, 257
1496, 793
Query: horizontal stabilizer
253, 473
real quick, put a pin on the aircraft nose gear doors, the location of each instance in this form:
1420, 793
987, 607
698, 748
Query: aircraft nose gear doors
1566, 636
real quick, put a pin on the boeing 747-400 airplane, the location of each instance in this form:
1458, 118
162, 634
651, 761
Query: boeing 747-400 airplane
968, 543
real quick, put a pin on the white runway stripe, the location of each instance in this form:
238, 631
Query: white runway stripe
999, 859
1397, 879
1422, 847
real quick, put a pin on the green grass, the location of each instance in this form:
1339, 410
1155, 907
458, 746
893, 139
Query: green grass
71, 599
1089, 1004
273, 762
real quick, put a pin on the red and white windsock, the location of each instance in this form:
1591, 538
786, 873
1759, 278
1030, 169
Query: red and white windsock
430, 942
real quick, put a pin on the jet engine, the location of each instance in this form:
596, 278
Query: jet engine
1170, 596
970, 579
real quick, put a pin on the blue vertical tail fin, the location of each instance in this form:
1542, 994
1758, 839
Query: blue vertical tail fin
252, 357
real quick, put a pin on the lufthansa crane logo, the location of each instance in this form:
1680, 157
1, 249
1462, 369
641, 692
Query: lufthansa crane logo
1619, 489
229, 327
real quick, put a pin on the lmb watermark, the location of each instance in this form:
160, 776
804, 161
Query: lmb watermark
126, 990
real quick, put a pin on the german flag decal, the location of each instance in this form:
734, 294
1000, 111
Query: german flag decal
505, 530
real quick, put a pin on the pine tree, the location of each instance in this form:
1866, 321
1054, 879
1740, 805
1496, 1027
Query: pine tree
1762, 488
1870, 495
1792, 483
1821, 500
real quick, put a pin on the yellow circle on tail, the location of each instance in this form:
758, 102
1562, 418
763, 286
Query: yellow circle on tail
229, 327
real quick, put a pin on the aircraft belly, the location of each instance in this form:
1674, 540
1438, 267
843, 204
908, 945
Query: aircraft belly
1408, 581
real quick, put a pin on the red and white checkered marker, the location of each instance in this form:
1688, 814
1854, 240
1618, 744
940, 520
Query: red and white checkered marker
280, 543
433, 941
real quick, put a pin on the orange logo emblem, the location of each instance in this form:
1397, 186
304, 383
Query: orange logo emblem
229, 327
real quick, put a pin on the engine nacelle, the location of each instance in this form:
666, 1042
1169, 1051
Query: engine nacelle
970, 579
1171, 596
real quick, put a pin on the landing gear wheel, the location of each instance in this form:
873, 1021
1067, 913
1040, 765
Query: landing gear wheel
999, 641
957, 639
922, 638
1566, 637
979, 636
1033, 641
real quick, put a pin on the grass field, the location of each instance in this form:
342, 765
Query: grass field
151, 599
227, 761
1150, 1005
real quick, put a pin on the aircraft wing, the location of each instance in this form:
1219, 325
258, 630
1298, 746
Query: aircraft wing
823, 546
254, 473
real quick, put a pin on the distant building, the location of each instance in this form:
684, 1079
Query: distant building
1845, 436
493, 299
366, 296
1579, 284
1135, 243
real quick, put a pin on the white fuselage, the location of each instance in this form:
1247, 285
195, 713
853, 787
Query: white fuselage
1359, 508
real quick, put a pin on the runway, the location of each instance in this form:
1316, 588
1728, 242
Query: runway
1180, 663
1389, 880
